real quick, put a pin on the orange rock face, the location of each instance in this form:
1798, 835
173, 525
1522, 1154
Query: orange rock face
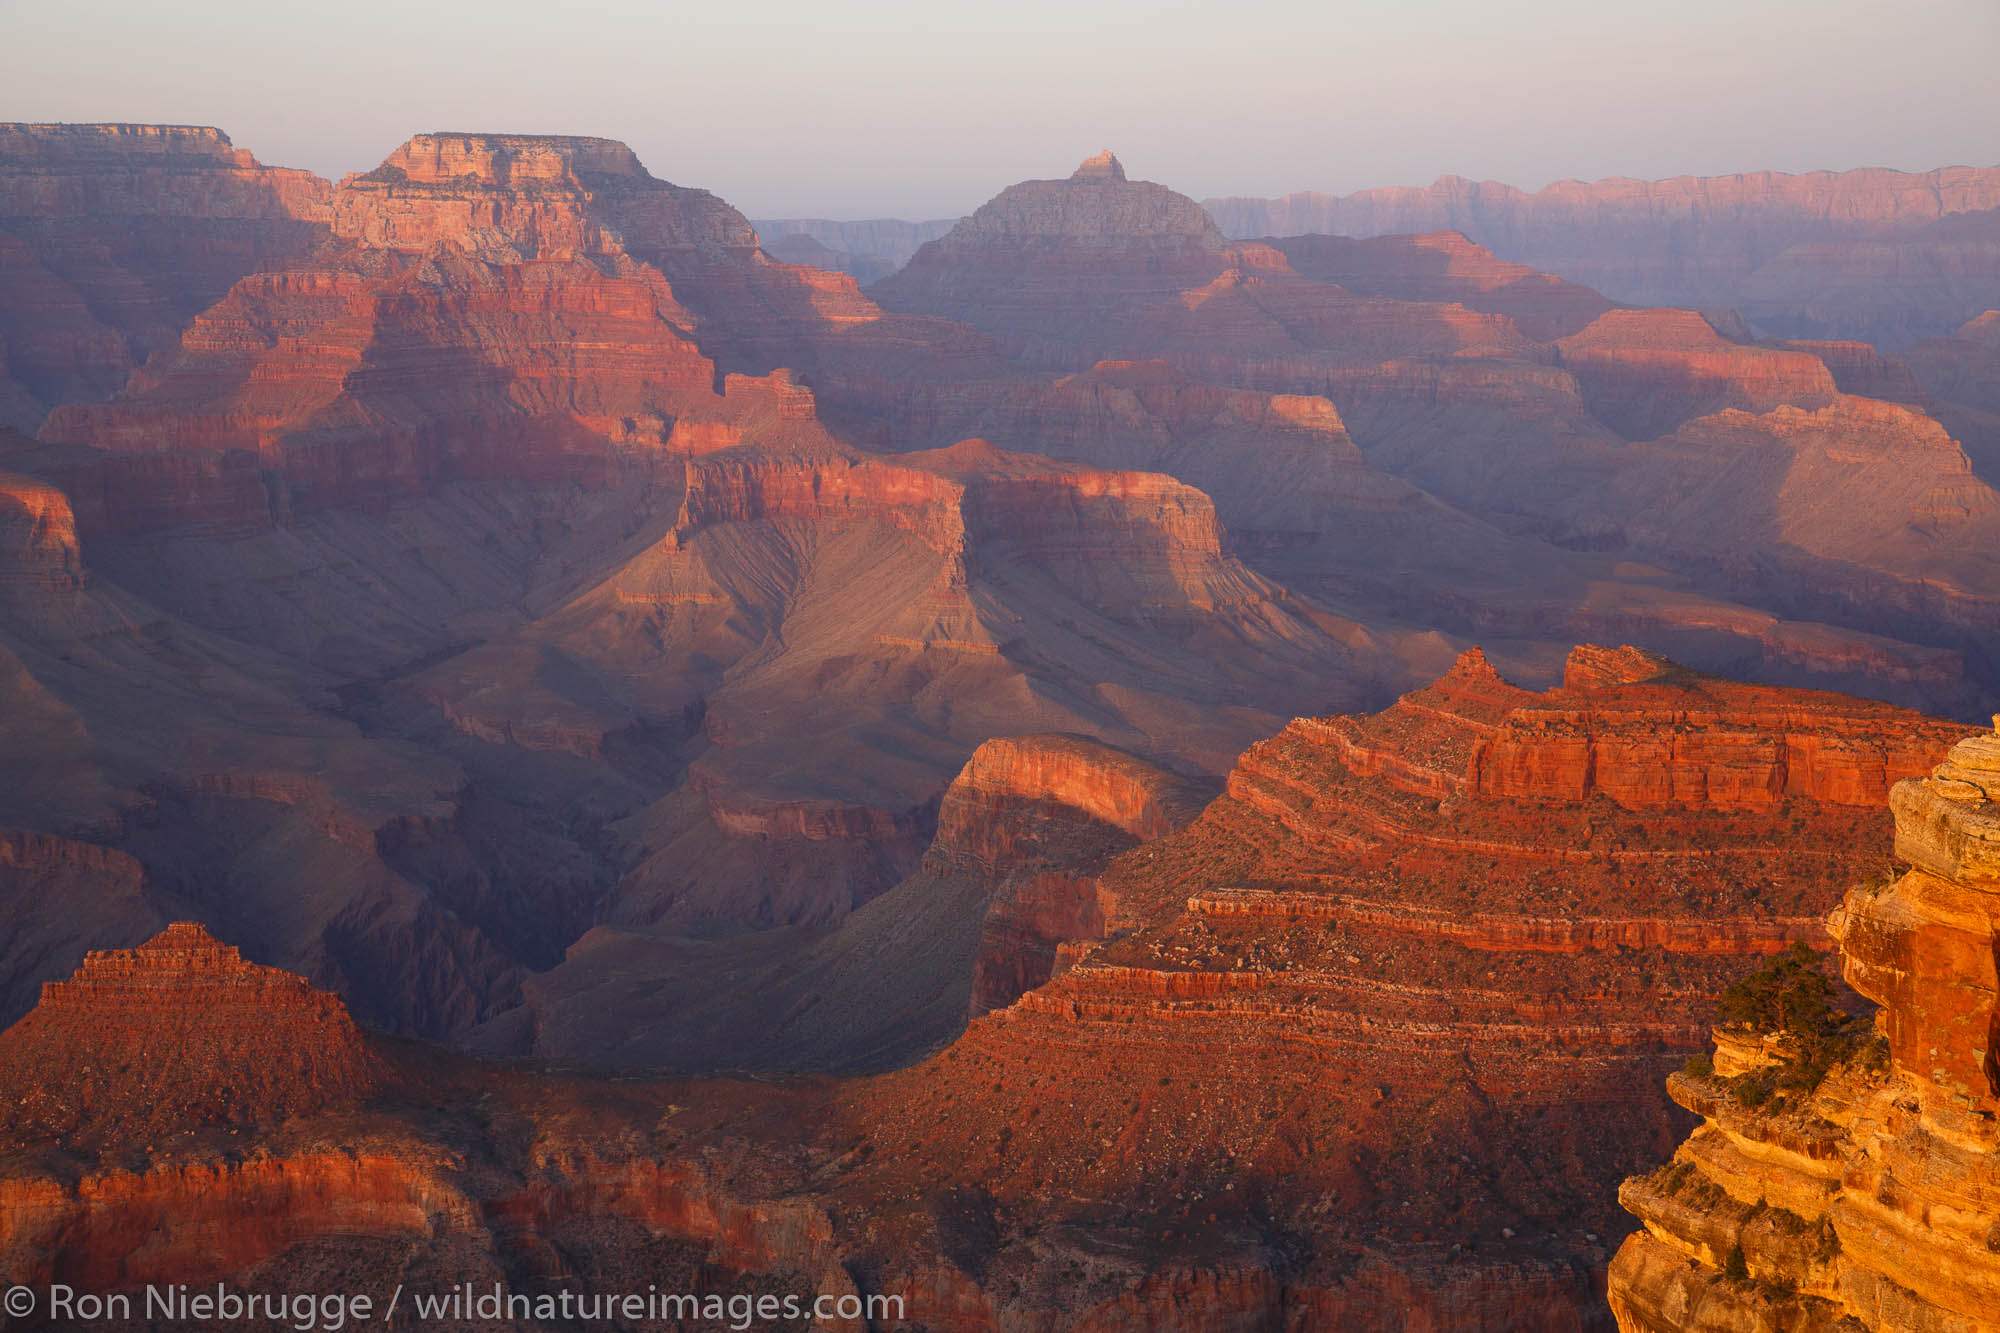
38, 543
1877, 1192
1744, 749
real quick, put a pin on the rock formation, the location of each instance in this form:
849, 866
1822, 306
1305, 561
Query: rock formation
1884, 256
1006, 885
1865, 1196
1000, 591
1257, 1042
1644, 372
1511, 397
1049, 260
38, 542
176, 1033
1960, 375
1869, 509
112, 237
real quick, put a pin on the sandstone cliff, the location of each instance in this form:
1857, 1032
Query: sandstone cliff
1867, 1198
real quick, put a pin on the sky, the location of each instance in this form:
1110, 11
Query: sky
901, 108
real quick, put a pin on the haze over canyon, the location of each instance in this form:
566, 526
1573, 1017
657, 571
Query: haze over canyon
1117, 762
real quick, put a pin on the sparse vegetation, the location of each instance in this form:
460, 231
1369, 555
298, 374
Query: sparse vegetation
1791, 998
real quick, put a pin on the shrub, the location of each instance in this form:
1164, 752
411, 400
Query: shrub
1735, 1267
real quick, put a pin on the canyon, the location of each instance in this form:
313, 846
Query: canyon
615, 741
1184, 1067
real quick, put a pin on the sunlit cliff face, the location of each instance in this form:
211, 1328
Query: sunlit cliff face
1872, 1198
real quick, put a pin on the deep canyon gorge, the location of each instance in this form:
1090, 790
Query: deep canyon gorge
1115, 763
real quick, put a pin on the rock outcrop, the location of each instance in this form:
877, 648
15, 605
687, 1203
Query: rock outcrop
179, 1032
1645, 372
1047, 261
38, 541
1039, 816
1961, 376
1867, 1198
1860, 511
1446, 266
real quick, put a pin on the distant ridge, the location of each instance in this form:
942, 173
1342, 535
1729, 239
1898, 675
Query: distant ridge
869, 249
1799, 255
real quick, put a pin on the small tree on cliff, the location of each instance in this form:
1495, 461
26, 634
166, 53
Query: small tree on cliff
1791, 997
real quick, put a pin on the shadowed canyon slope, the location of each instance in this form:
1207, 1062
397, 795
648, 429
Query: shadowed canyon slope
1201, 1078
1883, 256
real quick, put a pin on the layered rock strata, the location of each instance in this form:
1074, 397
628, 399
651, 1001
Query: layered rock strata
1257, 1040
112, 237
1871, 1200
180, 1031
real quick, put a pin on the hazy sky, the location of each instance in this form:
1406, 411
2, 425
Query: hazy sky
925, 108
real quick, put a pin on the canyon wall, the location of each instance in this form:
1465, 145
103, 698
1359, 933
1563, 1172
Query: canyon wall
112, 237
